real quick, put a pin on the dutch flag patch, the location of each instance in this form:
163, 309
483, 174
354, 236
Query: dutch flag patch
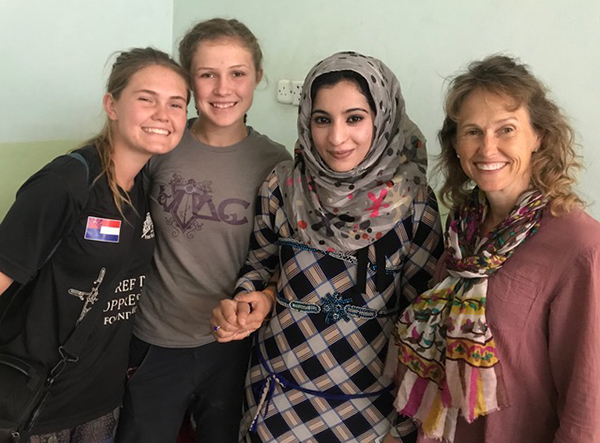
102, 229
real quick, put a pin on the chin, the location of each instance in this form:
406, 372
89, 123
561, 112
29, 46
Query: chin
157, 150
340, 167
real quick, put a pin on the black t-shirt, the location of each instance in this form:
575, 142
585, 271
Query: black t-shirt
105, 252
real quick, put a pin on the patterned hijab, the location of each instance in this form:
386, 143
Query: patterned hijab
347, 211
448, 360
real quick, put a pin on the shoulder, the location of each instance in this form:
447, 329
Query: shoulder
278, 179
574, 232
425, 197
275, 190
180, 153
560, 247
66, 173
424, 208
263, 142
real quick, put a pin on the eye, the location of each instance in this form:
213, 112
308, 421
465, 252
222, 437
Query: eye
320, 120
145, 99
355, 119
506, 130
472, 132
239, 74
206, 75
177, 105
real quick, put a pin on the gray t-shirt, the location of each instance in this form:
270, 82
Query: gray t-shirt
202, 204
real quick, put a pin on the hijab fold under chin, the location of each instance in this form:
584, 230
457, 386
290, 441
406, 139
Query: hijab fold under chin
347, 211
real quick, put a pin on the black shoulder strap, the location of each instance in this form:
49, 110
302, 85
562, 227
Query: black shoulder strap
74, 344
83, 161
72, 348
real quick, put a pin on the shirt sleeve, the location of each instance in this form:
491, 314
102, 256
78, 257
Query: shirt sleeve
426, 246
284, 156
263, 255
574, 341
45, 209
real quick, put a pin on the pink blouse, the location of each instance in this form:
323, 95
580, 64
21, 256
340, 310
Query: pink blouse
544, 311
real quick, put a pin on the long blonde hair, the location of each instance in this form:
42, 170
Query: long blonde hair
125, 66
553, 166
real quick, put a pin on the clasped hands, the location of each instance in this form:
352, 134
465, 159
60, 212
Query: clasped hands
237, 318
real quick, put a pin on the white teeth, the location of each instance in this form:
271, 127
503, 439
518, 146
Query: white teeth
222, 105
156, 131
490, 166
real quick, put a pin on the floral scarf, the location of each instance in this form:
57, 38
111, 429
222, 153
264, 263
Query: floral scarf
449, 364
347, 211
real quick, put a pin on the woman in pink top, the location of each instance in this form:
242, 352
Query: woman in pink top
506, 347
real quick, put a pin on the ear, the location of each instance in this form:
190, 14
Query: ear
109, 106
454, 145
538, 142
456, 153
259, 76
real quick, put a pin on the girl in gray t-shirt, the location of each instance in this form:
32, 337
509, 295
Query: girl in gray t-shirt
202, 204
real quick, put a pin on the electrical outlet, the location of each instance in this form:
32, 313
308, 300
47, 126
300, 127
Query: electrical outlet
296, 92
284, 92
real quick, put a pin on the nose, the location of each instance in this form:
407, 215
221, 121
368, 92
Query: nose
160, 113
222, 86
489, 144
337, 133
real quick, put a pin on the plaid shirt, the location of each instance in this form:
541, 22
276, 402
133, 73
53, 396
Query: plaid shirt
325, 336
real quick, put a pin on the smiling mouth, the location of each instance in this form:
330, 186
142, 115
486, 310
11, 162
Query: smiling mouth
223, 105
158, 131
490, 166
340, 155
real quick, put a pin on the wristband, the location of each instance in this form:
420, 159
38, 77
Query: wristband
271, 292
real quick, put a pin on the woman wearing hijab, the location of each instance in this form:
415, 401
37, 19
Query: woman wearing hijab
354, 230
505, 347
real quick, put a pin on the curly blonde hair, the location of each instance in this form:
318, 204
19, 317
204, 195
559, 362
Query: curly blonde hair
553, 166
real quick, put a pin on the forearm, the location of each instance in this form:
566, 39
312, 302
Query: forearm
5, 282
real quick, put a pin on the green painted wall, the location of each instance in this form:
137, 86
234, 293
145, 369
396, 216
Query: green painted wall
21, 160
55, 58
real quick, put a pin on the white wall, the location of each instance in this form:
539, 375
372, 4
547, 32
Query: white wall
53, 61
424, 42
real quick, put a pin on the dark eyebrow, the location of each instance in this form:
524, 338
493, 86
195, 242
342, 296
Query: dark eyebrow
318, 111
347, 111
